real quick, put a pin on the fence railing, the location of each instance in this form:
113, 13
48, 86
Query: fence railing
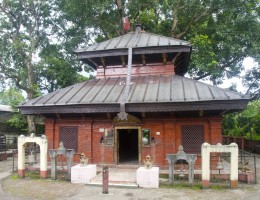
243, 143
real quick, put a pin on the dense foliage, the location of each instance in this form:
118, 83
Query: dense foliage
37, 37
244, 123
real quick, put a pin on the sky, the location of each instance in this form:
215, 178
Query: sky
248, 63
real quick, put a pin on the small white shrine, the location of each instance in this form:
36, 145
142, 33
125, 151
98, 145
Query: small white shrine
206, 149
42, 142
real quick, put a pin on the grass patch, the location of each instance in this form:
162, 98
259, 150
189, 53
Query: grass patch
219, 187
32, 175
164, 176
195, 186
14, 176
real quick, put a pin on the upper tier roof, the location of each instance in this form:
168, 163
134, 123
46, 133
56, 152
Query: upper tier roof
155, 48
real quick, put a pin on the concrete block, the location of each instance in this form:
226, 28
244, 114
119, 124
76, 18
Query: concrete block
147, 178
83, 174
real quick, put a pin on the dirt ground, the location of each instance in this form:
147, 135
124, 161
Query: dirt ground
31, 189
11, 187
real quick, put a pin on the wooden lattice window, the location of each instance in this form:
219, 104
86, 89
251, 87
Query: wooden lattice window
69, 137
192, 137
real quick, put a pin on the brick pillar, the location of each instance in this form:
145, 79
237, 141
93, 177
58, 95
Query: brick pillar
215, 130
85, 138
50, 131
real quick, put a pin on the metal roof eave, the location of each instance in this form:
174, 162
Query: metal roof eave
139, 107
137, 50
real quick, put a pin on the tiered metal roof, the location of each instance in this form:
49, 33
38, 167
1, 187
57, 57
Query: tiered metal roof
147, 94
147, 48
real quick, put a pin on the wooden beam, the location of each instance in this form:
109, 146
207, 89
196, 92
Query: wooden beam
176, 57
143, 59
83, 116
103, 61
93, 62
58, 115
123, 60
177, 64
223, 112
108, 115
201, 113
164, 58
143, 114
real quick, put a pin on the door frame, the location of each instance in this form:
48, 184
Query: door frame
116, 152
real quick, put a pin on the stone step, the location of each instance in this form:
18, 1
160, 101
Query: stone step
118, 177
115, 184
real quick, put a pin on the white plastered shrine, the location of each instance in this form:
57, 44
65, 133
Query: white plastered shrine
42, 142
206, 149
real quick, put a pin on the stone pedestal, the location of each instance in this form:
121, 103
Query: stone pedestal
83, 174
246, 177
147, 178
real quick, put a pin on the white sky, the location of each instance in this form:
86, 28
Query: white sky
248, 63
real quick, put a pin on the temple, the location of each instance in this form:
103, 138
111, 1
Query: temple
139, 104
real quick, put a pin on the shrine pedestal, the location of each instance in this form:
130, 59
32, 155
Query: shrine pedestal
83, 174
147, 178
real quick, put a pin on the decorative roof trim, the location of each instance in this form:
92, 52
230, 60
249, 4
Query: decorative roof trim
139, 107
136, 50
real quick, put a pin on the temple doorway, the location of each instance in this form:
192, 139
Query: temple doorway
128, 146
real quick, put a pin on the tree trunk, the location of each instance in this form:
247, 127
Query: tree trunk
31, 118
31, 124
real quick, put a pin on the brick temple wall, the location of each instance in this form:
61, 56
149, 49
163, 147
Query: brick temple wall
137, 70
165, 131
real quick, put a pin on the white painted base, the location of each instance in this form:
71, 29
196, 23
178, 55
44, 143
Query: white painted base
147, 178
80, 174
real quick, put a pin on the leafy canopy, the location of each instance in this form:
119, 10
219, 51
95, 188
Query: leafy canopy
245, 122
223, 32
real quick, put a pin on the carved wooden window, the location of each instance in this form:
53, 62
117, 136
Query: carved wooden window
109, 136
146, 137
69, 136
192, 137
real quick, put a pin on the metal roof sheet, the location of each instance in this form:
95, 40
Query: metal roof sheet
144, 89
134, 39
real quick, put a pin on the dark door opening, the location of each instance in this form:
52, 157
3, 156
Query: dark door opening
128, 146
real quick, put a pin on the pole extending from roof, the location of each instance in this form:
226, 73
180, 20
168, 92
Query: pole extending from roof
123, 115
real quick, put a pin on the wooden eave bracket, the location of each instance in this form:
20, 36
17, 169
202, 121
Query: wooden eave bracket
143, 59
164, 56
103, 61
122, 57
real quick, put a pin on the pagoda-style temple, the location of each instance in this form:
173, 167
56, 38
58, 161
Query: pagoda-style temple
140, 103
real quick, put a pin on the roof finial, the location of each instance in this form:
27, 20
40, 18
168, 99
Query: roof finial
138, 26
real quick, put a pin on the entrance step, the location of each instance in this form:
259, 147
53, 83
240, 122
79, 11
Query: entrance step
123, 178
128, 166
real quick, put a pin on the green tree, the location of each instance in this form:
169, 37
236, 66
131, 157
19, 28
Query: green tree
245, 122
55, 71
31, 50
13, 97
251, 81
24, 27
222, 32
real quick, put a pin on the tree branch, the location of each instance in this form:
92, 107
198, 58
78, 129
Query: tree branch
120, 11
218, 68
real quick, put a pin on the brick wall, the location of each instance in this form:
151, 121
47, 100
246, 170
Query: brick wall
165, 131
137, 70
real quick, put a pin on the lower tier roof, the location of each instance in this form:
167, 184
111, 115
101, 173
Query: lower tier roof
154, 93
